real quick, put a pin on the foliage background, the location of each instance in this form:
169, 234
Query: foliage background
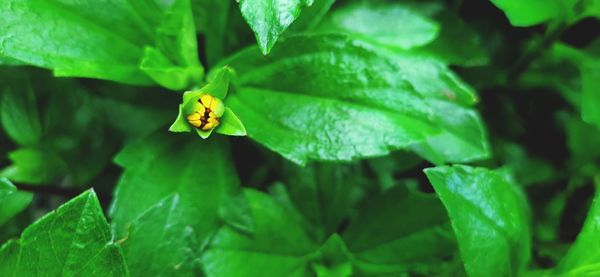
383, 138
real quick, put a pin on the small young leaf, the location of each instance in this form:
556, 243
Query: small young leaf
12, 201
19, 115
73, 240
488, 215
34, 166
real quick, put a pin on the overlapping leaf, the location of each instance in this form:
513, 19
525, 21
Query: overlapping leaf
104, 40
489, 217
73, 240
334, 98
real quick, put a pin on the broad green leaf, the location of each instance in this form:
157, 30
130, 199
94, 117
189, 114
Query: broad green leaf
74, 240
161, 243
279, 246
12, 201
532, 12
400, 232
583, 259
164, 164
489, 215
102, 40
19, 114
35, 166
393, 24
270, 18
350, 102
455, 144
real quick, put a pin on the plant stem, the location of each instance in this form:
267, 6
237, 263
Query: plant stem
552, 34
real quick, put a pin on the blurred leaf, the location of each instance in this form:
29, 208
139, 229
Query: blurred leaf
393, 24
162, 229
311, 16
400, 232
212, 19
71, 139
386, 104
19, 114
34, 166
12, 201
73, 240
163, 164
582, 259
270, 18
527, 170
323, 193
173, 62
532, 12
488, 215
105, 41
279, 245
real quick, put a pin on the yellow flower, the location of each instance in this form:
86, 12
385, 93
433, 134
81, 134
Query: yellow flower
207, 112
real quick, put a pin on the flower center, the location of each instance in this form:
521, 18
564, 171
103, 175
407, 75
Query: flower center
207, 112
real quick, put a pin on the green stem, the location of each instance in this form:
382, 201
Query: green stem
552, 34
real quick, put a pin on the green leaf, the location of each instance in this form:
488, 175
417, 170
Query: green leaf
582, 260
392, 24
19, 114
160, 230
231, 125
457, 43
69, 138
311, 16
400, 232
279, 246
270, 18
488, 215
163, 164
34, 166
350, 102
212, 19
179, 68
323, 193
532, 12
74, 240
335, 259
588, 63
12, 201
105, 41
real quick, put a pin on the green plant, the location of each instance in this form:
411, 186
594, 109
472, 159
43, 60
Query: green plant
332, 138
